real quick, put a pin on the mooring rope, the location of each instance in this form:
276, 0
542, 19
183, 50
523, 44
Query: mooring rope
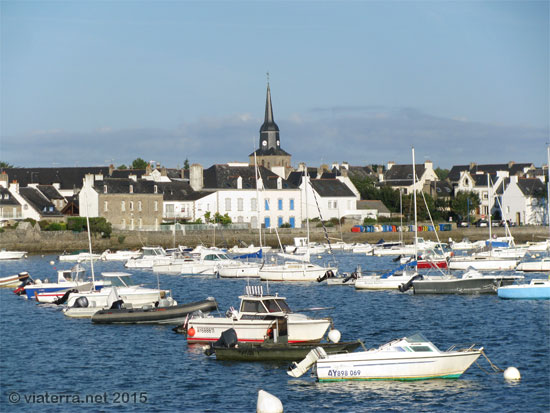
495, 368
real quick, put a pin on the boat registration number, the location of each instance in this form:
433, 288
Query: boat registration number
205, 330
344, 373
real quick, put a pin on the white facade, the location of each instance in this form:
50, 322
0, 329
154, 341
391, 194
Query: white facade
27, 210
487, 195
327, 207
88, 198
522, 209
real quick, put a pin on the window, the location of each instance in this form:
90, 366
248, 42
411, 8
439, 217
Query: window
485, 195
105, 206
123, 223
267, 204
132, 223
279, 222
140, 223
131, 205
155, 189
123, 206
240, 202
267, 222
280, 204
228, 204
105, 189
253, 204
292, 204
131, 189
156, 206
292, 222
139, 205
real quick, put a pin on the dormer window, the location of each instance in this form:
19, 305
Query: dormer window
105, 189
131, 189
156, 189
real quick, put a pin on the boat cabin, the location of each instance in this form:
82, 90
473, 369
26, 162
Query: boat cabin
153, 252
255, 305
76, 273
118, 279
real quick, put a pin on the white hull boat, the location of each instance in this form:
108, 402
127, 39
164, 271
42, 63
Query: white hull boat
12, 255
409, 358
150, 256
535, 266
242, 270
294, 271
121, 255
482, 263
379, 282
12, 281
257, 316
362, 249
79, 257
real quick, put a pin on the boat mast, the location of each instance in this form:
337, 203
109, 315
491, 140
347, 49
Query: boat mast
415, 218
548, 187
307, 213
401, 215
89, 240
489, 209
257, 198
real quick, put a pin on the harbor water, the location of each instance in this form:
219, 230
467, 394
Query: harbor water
51, 363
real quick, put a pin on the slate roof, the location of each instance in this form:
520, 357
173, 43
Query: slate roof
270, 151
6, 197
531, 186
180, 191
225, 177
513, 169
360, 172
122, 186
68, 178
373, 204
481, 179
39, 202
331, 188
404, 173
454, 173
50, 192
441, 188
125, 173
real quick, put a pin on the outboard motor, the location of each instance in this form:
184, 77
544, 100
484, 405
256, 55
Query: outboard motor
64, 298
228, 339
352, 276
406, 286
117, 305
81, 302
21, 289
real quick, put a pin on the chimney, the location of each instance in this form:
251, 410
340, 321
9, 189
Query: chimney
335, 165
163, 171
345, 165
111, 169
510, 164
390, 164
89, 180
14, 187
148, 169
344, 171
196, 179
301, 167
4, 180
323, 168
472, 165
279, 183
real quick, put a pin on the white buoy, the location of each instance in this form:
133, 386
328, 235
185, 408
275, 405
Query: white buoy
511, 373
52, 263
334, 335
267, 403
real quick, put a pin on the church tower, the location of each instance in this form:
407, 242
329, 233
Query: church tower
270, 154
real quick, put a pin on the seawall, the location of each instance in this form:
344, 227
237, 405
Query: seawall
40, 242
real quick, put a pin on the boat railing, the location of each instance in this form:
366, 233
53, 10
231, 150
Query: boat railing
462, 347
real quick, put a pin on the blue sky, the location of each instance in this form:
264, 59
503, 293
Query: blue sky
92, 83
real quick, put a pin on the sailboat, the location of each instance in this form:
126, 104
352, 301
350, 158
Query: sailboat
297, 271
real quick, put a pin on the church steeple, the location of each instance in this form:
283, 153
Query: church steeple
269, 131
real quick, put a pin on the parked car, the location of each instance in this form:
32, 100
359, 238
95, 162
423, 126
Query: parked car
462, 224
481, 223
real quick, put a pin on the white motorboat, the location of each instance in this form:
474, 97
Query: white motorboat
251, 249
294, 271
79, 256
482, 263
502, 252
390, 280
543, 246
537, 289
203, 261
47, 292
540, 265
14, 280
258, 314
409, 358
120, 255
302, 246
85, 304
362, 249
12, 255
150, 256
465, 245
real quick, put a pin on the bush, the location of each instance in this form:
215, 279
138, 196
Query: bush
97, 225
121, 239
285, 225
55, 226
369, 221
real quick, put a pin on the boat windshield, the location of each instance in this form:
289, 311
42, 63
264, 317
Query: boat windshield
253, 306
417, 338
121, 281
151, 252
276, 305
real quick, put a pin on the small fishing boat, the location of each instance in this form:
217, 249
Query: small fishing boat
470, 282
256, 317
409, 358
163, 313
12, 255
537, 289
12, 281
274, 349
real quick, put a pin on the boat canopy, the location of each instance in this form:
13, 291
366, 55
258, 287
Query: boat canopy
119, 279
400, 268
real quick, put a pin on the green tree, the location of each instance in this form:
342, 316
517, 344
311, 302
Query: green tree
442, 174
5, 165
122, 167
139, 164
464, 202
186, 164
222, 219
207, 217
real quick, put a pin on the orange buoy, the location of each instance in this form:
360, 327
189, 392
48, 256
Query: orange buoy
191, 332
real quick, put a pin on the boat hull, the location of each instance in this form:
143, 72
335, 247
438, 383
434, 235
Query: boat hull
294, 272
483, 264
531, 291
279, 352
400, 366
12, 255
159, 315
482, 285
201, 330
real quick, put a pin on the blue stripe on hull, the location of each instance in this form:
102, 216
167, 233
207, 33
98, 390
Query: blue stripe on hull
450, 376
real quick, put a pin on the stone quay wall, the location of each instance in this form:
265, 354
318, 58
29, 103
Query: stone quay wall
35, 241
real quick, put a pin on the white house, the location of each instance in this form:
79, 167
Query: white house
524, 202
401, 176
